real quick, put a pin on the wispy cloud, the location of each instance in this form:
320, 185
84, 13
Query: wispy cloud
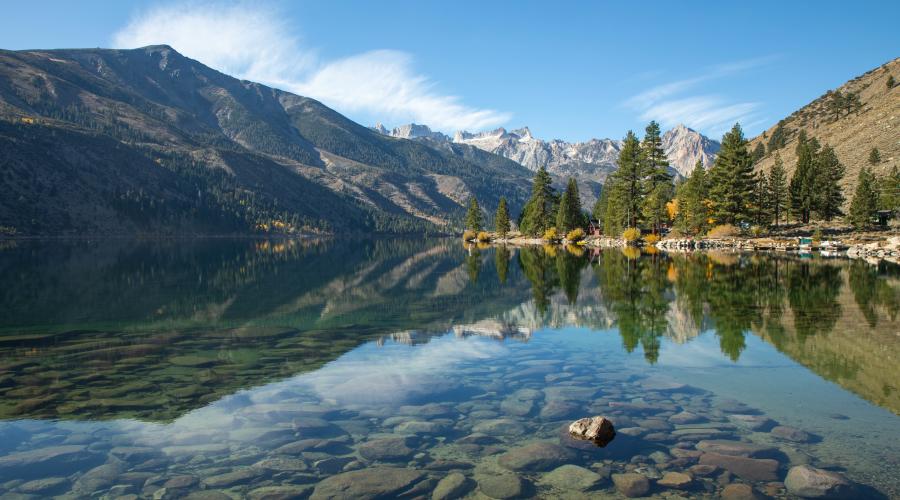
256, 43
671, 103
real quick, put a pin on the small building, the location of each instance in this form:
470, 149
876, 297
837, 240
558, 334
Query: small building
594, 228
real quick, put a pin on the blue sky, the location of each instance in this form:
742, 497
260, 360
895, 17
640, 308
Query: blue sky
568, 70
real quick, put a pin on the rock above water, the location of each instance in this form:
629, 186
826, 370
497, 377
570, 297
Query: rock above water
750, 469
572, 477
809, 482
538, 456
789, 433
631, 484
390, 449
677, 480
598, 430
370, 483
502, 485
454, 485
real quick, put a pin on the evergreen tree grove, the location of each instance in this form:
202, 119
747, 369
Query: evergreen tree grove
474, 219
657, 189
626, 186
501, 218
865, 200
778, 189
830, 196
692, 197
539, 213
803, 182
731, 179
568, 216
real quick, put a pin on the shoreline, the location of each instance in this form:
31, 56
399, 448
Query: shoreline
882, 247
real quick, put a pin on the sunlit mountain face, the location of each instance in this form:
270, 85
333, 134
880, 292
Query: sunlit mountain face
245, 366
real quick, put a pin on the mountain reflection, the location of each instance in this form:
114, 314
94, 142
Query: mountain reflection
152, 330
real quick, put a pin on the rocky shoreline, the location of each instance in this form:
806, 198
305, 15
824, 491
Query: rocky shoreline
885, 248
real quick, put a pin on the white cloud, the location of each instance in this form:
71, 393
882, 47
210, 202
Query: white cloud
714, 114
256, 43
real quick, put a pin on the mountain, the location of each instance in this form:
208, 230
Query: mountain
147, 141
589, 162
684, 147
875, 123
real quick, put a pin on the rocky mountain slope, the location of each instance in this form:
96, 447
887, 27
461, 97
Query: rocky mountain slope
852, 133
148, 141
589, 162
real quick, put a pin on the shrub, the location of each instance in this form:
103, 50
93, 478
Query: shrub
575, 235
631, 234
550, 235
468, 235
651, 239
483, 236
757, 231
724, 231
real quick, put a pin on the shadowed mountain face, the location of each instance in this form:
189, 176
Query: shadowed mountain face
149, 141
153, 330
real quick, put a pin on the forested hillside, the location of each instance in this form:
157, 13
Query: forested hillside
99, 141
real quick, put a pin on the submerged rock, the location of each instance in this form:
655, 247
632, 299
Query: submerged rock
631, 484
789, 433
810, 482
572, 477
390, 449
756, 423
598, 430
677, 480
502, 485
454, 485
750, 469
740, 491
538, 456
735, 448
370, 483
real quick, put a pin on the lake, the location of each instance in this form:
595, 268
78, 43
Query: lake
394, 368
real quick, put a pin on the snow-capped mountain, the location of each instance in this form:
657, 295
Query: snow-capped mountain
589, 162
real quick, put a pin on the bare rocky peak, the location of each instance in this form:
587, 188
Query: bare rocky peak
685, 146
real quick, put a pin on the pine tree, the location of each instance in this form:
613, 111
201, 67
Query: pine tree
890, 82
803, 182
627, 190
692, 197
501, 218
657, 189
762, 214
474, 220
889, 190
874, 157
568, 216
731, 179
778, 189
599, 210
779, 137
865, 200
830, 195
539, 213
758, 152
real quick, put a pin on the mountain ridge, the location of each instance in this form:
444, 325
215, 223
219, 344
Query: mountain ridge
236, 156
589, 162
